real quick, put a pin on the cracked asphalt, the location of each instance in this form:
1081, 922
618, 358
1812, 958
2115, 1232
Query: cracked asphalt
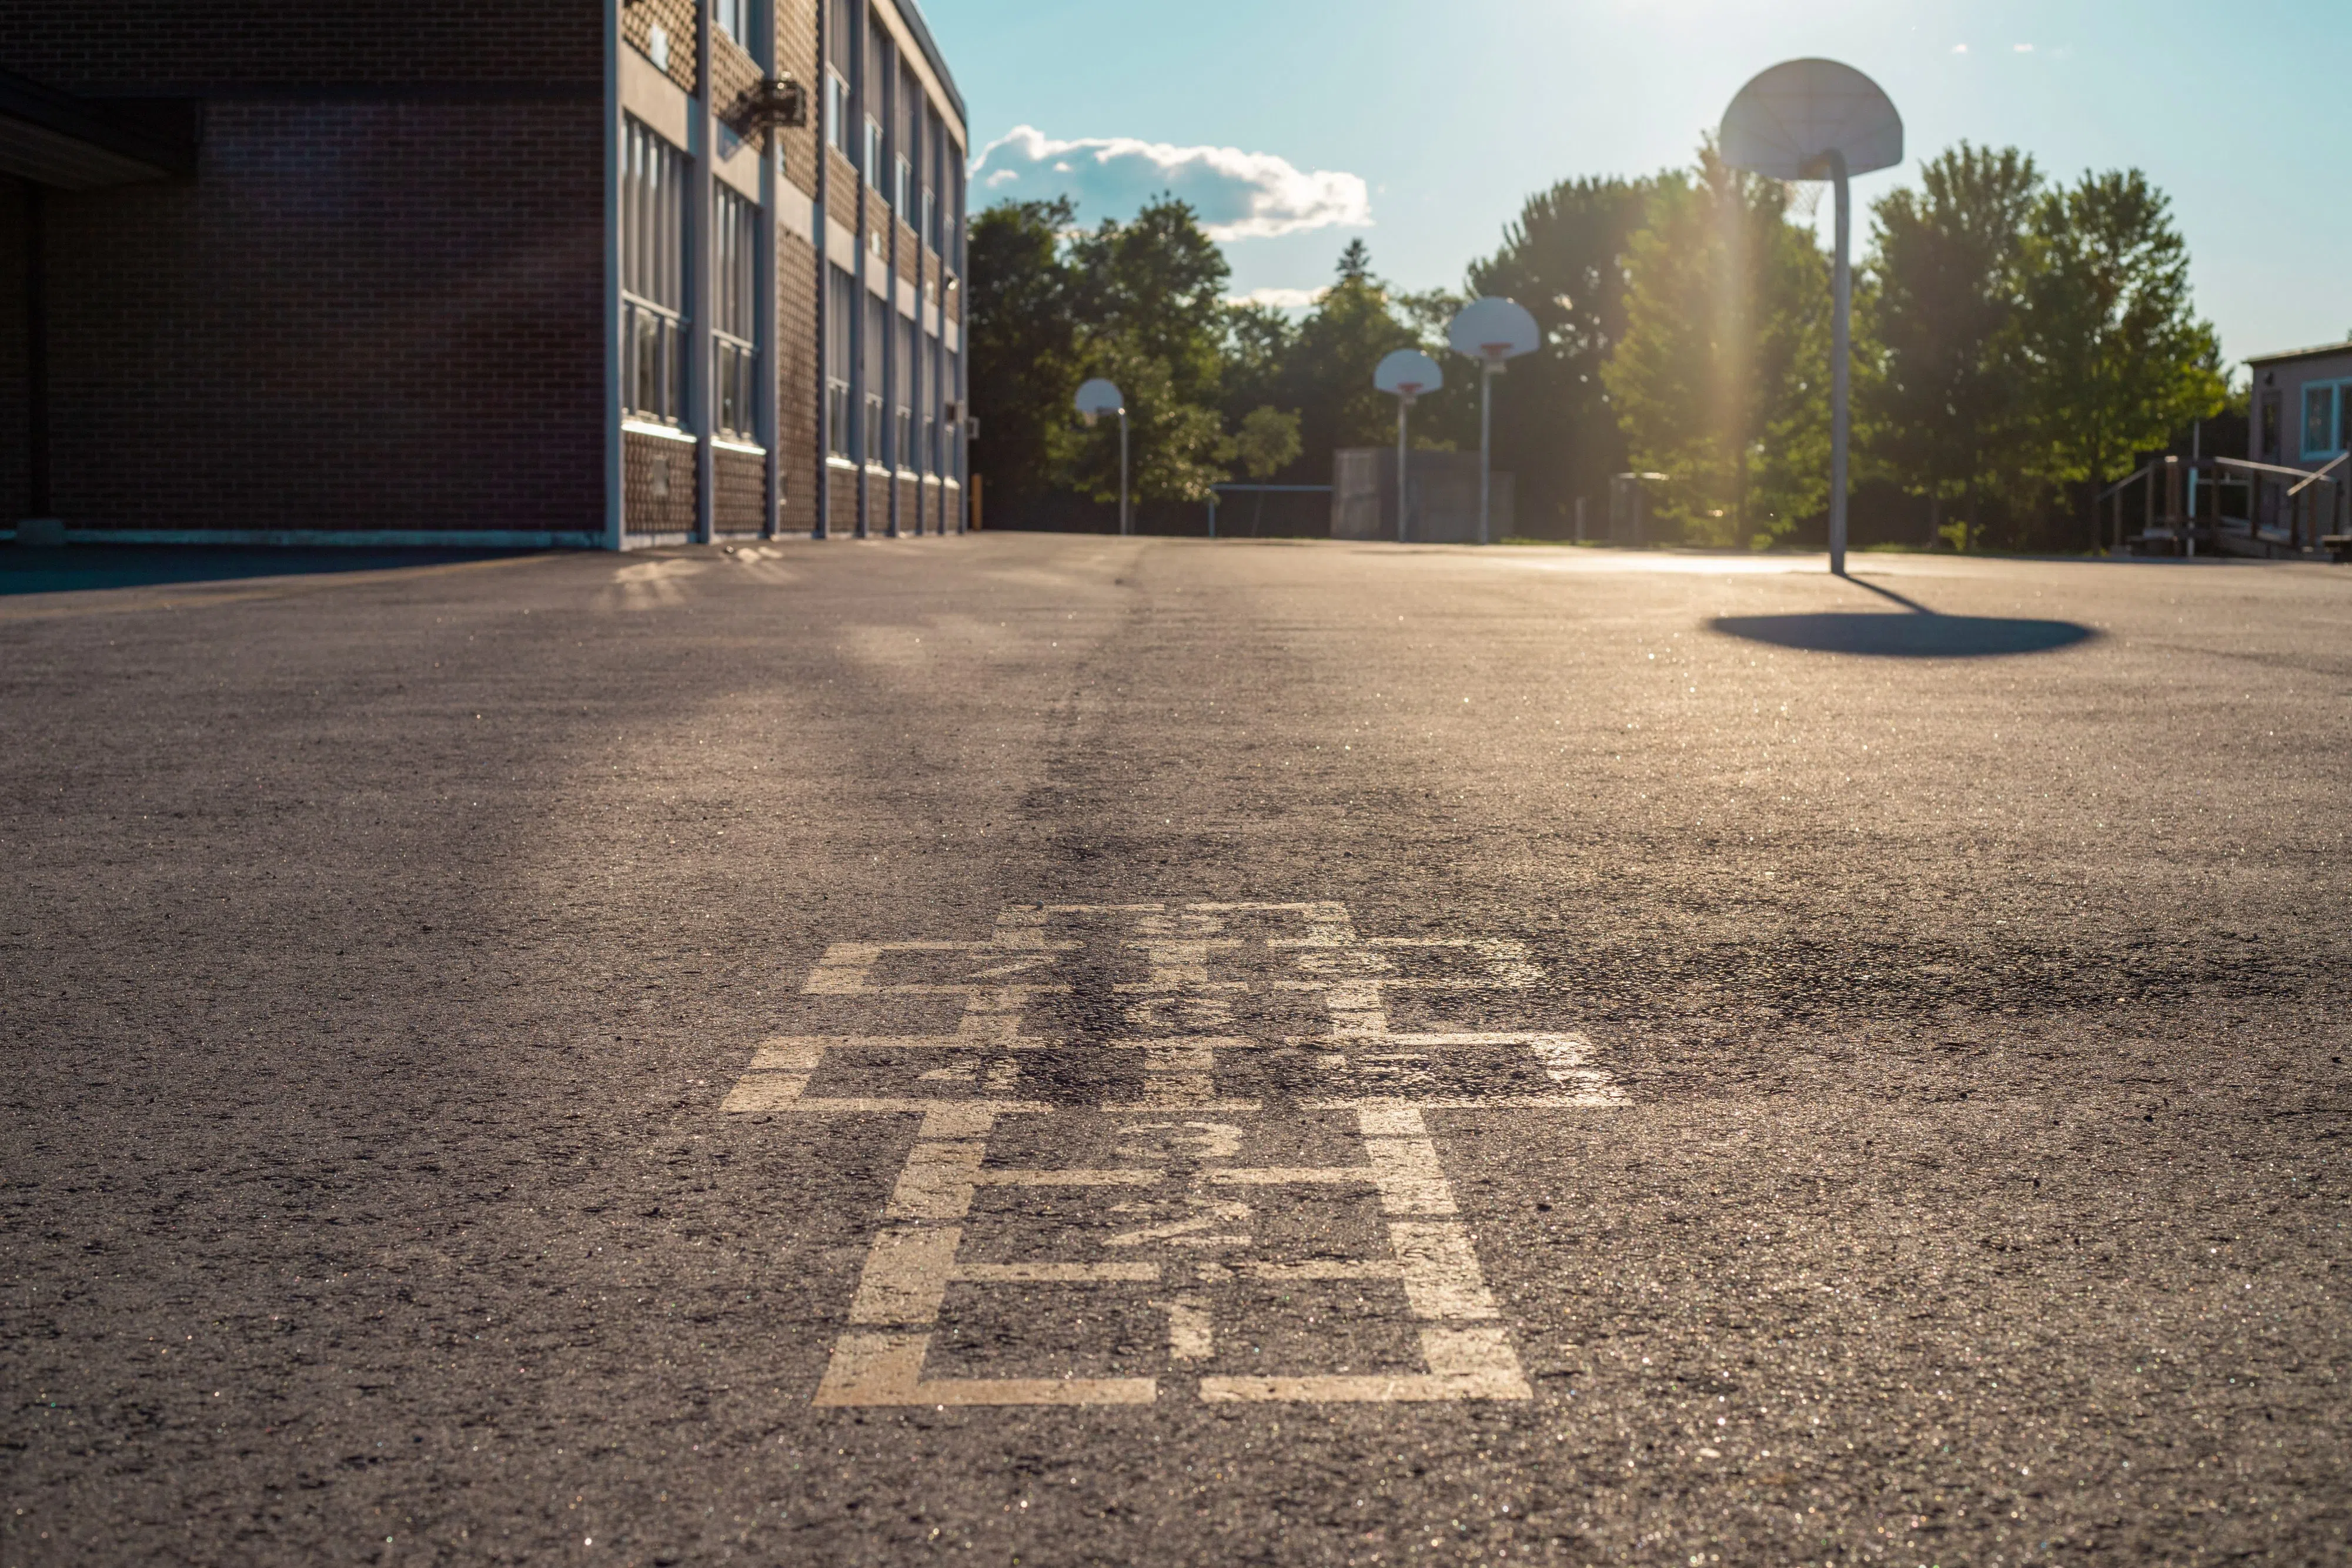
1949, 966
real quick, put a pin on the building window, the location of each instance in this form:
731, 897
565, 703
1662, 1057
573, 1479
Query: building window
902, 394
874, 152
840, 332
902, 200
2324, 419
734, 19
951, 430
870, 364
837, 114
653, 276
734, 314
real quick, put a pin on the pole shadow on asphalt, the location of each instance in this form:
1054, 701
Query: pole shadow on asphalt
1924, 634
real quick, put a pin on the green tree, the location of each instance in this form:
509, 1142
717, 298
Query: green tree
2118, 358
1939, 396
1149, 296
1327, 373
1024, 335
1266, 442
1257, 346
1564, 260
1721, 378
1174, 446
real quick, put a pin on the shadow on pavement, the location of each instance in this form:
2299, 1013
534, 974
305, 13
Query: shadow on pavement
1925, 635
74, 567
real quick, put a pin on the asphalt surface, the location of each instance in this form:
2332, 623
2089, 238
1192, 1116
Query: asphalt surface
1421, 1056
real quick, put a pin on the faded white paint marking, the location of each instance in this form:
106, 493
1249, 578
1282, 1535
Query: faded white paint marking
1196, 959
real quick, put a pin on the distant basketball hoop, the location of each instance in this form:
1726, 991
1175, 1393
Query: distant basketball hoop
1404, 375
1491, 332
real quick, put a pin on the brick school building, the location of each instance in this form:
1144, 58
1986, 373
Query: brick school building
601, 273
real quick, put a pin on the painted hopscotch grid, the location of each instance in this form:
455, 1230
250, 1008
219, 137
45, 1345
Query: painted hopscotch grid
1165, 1088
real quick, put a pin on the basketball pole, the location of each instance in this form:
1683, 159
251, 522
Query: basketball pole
1404, 404
1485, 438
1840, 365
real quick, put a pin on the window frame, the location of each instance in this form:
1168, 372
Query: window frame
655, 273
2339, 394
734, 315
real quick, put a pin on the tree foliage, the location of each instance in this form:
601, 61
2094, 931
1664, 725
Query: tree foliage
1939, 398
2012, 343
1564, 260
1025, 333
2114, 357
1721, 378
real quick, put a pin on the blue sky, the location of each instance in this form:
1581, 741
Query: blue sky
1300, 124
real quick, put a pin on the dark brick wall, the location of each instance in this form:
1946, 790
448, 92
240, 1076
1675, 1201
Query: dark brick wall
738, 494
658, 484
164, 46
797, 387
357, 316
14, 477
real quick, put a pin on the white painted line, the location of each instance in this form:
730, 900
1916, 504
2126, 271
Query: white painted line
887, 1369
906, 1277
1192, 1333
1440, 1268
937, 1181
1057, 1274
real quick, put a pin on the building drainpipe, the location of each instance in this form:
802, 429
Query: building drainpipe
698, 398
863, 441
616, 505
820, 232
767, 418
890, 110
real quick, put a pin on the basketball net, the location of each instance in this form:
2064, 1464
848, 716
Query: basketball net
1802, 198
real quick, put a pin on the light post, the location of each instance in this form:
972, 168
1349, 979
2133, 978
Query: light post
1490, 331
1096, 398
1405, 375
1817, 120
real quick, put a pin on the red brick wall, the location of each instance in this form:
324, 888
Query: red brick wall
797, 386
845, 482
796, 54
676, 19
658, 482
739, 496
357, 316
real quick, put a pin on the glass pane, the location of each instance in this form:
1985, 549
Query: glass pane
2318, 410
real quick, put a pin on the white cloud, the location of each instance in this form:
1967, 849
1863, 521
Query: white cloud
2022, 49
1239, 195
1282, 299
1960, 48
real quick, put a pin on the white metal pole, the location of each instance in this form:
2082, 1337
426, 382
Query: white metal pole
1402, 404
1842, 353
1122, 471
1486, 440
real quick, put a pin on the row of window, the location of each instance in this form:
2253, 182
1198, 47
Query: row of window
654, 177
909, 162
898, 440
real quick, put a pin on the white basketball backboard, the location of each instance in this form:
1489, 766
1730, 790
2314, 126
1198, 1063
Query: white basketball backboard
1099, 397
1787, 122
1493, 330
1408, 372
